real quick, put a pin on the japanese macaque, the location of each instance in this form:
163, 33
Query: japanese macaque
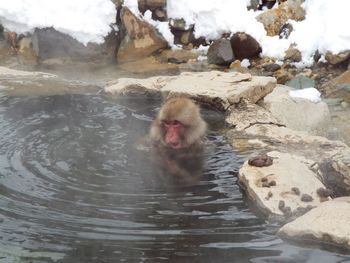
177, 134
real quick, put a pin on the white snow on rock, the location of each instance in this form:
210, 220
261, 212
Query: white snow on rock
85, 20
310, 94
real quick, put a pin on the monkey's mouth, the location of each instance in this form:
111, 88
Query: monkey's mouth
175, 145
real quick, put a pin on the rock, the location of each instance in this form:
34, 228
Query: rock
149, 66
292, 54
219, 89
179, 24
235, 64
298, 114
141, 39
26, 51
287, 171
282, 76
49, 43
274, 19
336, 59
328, 223
159, 14
285, 31
260, 161
271, 67
244, 115
180, 55
152, 5
301, 82
338, 87
244, 46
220, 52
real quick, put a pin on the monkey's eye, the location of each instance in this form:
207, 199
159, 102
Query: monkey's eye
173, 123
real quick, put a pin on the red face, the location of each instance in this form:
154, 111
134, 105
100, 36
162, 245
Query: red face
173, 131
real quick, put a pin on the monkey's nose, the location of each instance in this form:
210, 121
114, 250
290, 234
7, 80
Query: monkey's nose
175, 145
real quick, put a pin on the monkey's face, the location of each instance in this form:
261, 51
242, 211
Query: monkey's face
173, 133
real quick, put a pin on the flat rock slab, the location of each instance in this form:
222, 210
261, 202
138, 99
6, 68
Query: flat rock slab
219, 89
327, 223
287, 171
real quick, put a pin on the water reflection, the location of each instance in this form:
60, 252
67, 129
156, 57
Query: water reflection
76, 188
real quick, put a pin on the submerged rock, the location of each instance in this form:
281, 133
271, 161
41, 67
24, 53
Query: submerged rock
328, 223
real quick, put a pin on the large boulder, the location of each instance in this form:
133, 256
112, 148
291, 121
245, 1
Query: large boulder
274, 19
297, 113
287, 187
219, 89
328, 223
49, 43
141, 39
220, 52
244, 46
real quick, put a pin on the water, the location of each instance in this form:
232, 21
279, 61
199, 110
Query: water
77, 185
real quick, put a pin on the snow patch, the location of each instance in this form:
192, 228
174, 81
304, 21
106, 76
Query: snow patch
310, 94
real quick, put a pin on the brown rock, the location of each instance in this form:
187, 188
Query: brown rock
244, 46
141, 39
306, 198
274, 19
293, 54
261, 161
26, 51
335, 59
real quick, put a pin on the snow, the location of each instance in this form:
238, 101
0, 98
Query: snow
85, 20
311, 94
245, 63
324, 29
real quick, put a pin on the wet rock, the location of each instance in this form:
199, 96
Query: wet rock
329, 223
292, 54
26, 52
292, 171
244, 46
220, 52
306, 198
219, 89
301, 82
336, 59
285, 31
141, 39
296, 113
260, 161
274, 19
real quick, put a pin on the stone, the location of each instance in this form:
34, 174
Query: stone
292, 54
141, 39
26, 52
338, 87
271, 67
149, 65
296, 113
49, 43
328, 223
301, 82
274, 19
285, 31
219, 89
282, 76
245, 115
336, 59
244, 46
287, 171
220, 52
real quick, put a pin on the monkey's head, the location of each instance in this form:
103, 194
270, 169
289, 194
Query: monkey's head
178, 124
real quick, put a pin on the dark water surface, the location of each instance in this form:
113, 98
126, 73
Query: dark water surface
77, 185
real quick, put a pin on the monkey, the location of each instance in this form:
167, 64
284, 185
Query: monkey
177, 134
